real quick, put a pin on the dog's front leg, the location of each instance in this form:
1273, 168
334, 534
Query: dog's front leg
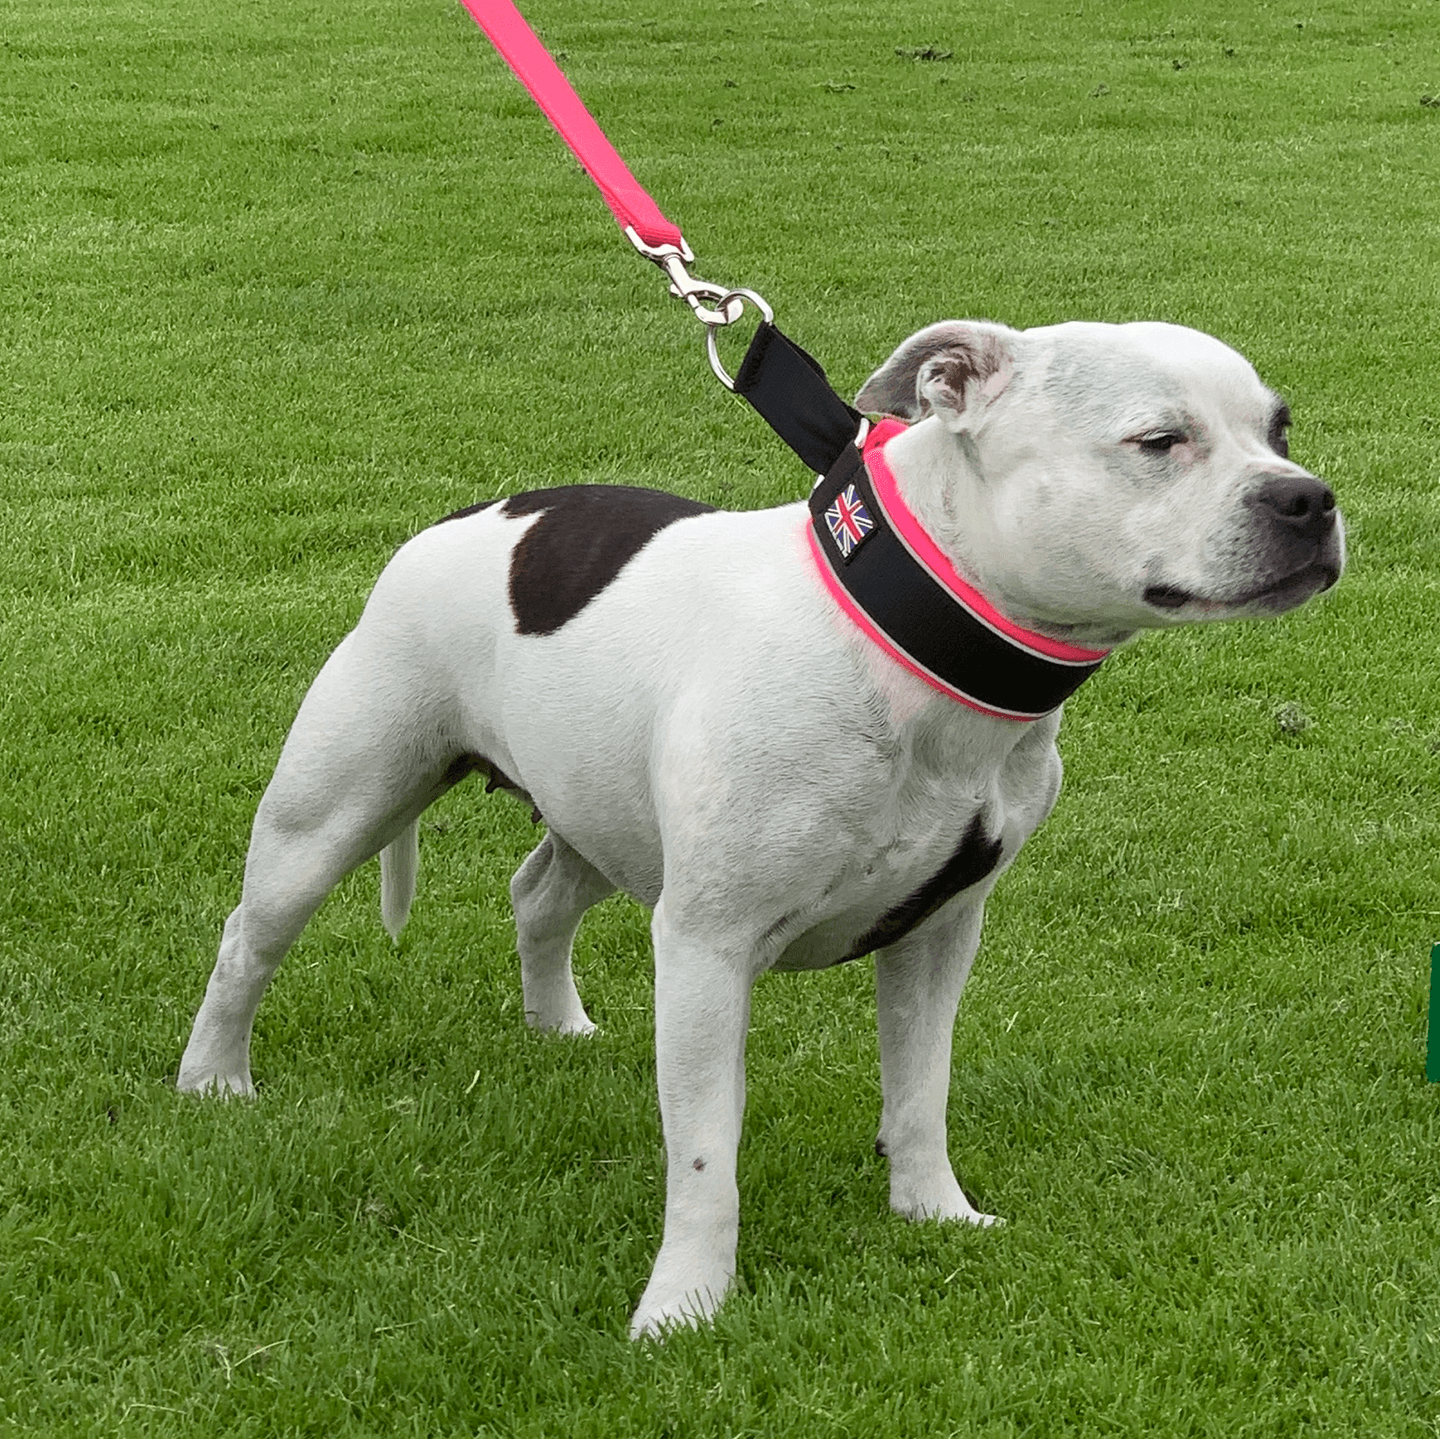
702, 1013
918, 983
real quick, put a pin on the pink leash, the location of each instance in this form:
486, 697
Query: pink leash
527, 57
786, 387
654, 236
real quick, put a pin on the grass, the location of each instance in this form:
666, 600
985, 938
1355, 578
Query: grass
282, 284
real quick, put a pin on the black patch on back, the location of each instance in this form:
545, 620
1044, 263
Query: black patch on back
585, 536
975, 857
468, 510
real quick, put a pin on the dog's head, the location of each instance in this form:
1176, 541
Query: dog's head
1098, 479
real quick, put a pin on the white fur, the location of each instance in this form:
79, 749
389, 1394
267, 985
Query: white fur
713, 736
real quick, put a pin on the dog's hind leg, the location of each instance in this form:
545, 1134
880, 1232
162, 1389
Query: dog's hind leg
362, 761
550, 893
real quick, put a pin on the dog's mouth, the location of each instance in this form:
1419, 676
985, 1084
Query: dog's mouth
1272, 598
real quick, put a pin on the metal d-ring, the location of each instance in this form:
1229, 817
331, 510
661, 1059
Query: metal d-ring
712, 327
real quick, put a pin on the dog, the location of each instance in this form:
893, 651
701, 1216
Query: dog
705, 722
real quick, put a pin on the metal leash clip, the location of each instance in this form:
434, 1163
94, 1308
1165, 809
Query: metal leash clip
729, 306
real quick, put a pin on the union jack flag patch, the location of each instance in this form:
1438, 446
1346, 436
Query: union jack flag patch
849, 521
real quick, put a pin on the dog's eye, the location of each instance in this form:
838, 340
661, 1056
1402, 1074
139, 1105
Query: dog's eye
1161, 442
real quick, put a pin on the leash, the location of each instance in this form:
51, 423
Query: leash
872, 554
784, 384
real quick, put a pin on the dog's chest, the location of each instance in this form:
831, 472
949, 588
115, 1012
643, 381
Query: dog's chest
933, 842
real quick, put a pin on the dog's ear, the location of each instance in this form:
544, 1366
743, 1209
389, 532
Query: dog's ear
953, 369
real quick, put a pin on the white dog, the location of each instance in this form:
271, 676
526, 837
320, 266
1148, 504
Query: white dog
707, 720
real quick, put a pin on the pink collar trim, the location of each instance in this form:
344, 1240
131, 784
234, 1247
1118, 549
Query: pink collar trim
928, 555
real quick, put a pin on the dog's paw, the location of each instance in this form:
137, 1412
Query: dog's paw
656, 1319
945, 1202
682, 1293
982, 1221
578, 1025
223, 1085
949, 1214
581, 1027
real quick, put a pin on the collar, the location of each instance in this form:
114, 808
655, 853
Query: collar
892, 580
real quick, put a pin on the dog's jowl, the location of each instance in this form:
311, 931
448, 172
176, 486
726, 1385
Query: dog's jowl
711, 713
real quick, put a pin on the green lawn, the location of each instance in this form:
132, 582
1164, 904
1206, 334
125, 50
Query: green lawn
279, 285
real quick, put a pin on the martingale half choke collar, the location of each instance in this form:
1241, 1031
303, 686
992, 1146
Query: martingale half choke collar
892, 580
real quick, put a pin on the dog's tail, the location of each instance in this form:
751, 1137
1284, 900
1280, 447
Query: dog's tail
399, 864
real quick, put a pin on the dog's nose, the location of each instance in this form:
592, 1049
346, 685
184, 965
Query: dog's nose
1301, 503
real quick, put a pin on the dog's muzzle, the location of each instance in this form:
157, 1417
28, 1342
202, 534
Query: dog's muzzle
1297, 547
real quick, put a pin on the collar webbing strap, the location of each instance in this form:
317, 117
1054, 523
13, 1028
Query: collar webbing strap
873, 557
788, 389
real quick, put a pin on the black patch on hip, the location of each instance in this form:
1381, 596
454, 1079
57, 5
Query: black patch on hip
975, 857
585, 536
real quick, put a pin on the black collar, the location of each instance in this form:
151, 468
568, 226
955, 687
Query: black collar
889, 577
882, 568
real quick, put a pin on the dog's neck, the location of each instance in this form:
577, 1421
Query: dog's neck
941, 478
884, 569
